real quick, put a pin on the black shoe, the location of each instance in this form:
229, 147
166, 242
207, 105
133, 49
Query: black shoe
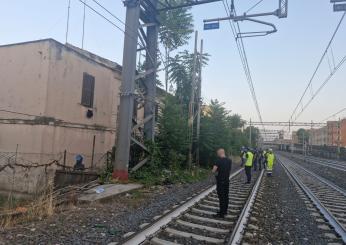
219, 216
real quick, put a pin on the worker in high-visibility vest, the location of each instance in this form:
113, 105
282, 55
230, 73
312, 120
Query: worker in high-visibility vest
270, 162
248, 165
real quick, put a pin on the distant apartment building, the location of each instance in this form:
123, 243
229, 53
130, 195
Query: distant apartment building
295, 139
343, 132
333, 134
318, 136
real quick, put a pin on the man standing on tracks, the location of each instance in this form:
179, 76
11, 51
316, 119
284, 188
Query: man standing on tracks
248, 165
260, 159
242, 155
222, 170
264, 158
255, 153
270, 162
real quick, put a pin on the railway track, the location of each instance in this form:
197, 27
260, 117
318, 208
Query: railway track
193, 222
328, 198
338, 165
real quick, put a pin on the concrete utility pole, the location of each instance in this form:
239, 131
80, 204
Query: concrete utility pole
192, 101
127, 91
199, 101
339, 138
250, 134
304, 150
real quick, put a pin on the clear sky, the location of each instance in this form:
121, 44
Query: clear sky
281, 64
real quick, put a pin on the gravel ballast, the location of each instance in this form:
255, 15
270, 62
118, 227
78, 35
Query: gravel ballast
335, 176
282, 215
103, 223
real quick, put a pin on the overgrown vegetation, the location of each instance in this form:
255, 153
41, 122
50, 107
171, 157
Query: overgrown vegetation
219, 128
16, 210
175, 31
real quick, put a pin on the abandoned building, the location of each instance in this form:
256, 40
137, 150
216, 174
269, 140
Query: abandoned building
56, 101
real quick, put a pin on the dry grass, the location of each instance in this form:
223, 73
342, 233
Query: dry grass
39, 208
46, 204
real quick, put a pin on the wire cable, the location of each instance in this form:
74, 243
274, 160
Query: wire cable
109, 12
254, 6
343, 60
119, 28
318, 66
244, 60
333, 115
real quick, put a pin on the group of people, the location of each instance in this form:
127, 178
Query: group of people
250, 158
257, 159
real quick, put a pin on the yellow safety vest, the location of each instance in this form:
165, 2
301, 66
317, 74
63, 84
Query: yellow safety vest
249, 159
264, 153
270, 161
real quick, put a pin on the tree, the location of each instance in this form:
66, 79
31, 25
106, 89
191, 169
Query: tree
180, 73
175, 31
303, 136
172, 131
219, 129
254, 135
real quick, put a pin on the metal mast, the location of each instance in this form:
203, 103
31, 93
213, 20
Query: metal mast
146, 12
127, 90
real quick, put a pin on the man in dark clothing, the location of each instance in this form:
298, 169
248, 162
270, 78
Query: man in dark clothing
260, 159
222, 169
255, 159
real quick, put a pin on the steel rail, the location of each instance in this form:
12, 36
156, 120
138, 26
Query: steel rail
151, 229
324, 162
237, 233
327, 182
326, 213
328, 164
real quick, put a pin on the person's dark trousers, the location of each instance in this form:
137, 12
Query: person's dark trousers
222, 188
248, 173
260, 164
255, 165
264, 164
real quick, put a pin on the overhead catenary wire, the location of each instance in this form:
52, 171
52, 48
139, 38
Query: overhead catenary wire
108, 20
109, 12
242, 53
244, 60
316, 69
334, 114
254, 6
343, 60
118, 27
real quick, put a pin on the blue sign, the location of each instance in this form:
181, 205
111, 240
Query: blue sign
211, 26
339, 7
